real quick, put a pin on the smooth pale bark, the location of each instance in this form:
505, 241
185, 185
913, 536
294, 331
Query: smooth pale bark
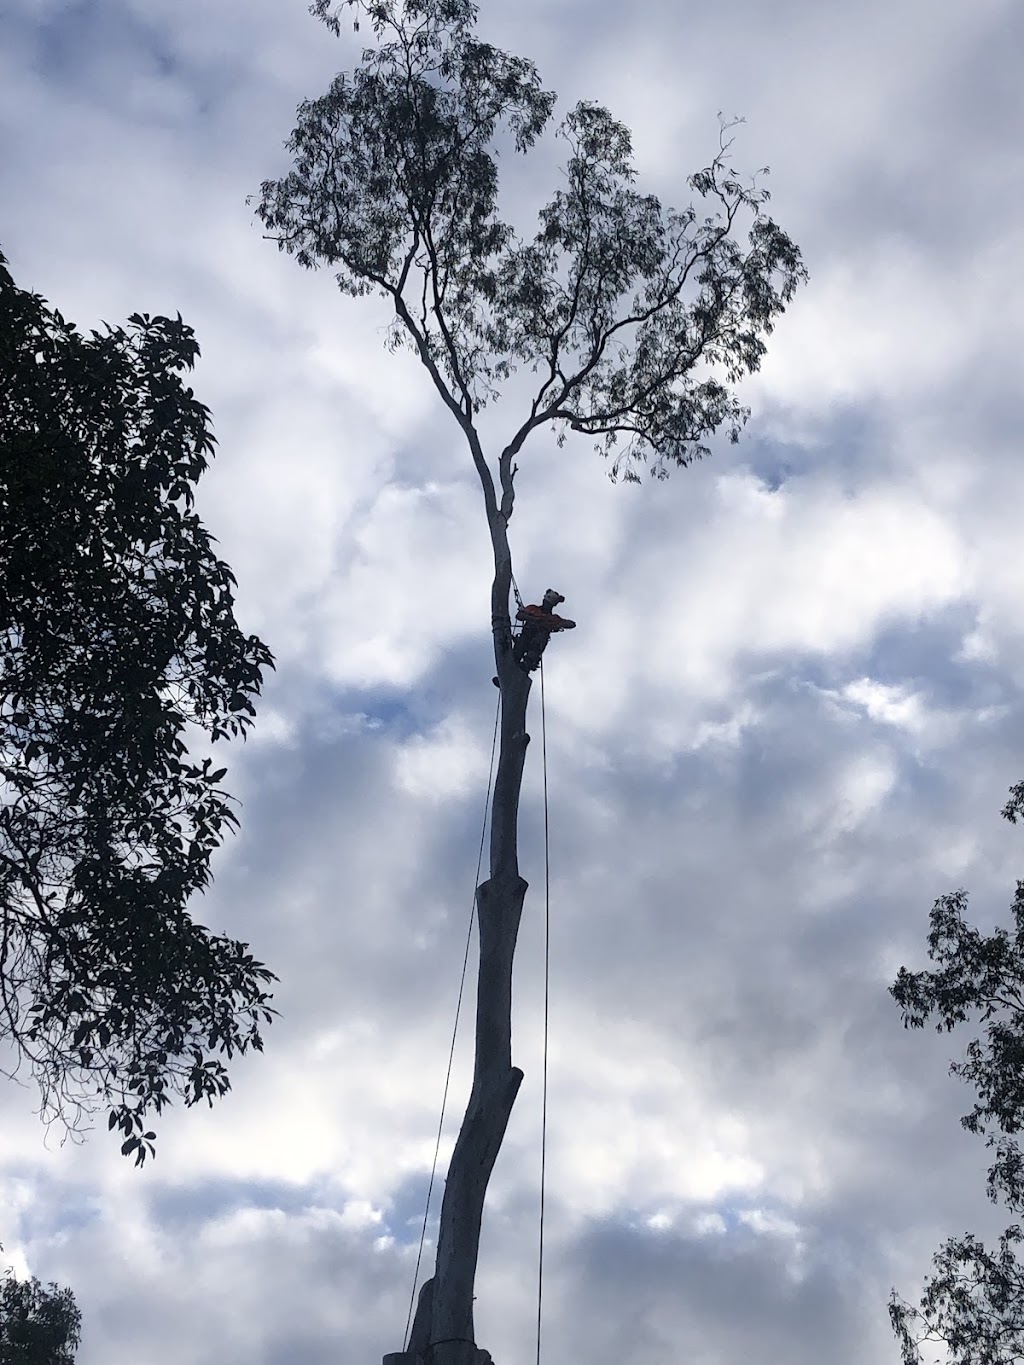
442, 1331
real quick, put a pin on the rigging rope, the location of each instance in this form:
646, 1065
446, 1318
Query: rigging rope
458, 1011
547, 995
455, 1030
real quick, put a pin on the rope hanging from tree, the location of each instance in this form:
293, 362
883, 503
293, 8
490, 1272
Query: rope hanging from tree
455, 1030
547, 995
538, 623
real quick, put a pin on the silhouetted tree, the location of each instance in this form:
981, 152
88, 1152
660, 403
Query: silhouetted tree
973, 1303
630, 316
117, 631
38, 1326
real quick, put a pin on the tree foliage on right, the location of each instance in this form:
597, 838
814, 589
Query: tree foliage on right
972, 1305
117, 637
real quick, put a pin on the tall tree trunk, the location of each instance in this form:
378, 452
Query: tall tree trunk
442, 1332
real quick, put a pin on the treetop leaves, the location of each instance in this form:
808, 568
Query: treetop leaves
625, 310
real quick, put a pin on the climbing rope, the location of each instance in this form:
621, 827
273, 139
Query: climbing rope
455, 1030
458, 1011
547, 994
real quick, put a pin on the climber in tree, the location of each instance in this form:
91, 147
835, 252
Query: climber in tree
539, 624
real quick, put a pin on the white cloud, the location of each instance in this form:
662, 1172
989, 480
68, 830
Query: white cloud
447, 762
806, 570
862, 789
877, 328
892, 705
395, 603
769, 1224
784, 723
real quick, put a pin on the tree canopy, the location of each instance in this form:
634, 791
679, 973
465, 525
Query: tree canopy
117, 634
628, 312
973, 1304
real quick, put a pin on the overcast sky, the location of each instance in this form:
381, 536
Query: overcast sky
786, 724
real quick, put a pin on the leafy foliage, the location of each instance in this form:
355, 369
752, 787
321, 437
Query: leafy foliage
626, 311
117, 631
974, 1302
971, 1306
38, 1326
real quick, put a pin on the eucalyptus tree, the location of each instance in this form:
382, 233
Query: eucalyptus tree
117, 634
634, 320
38, 1325
972, 1306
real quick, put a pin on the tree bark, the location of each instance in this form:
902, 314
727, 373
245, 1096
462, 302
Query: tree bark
443, 1332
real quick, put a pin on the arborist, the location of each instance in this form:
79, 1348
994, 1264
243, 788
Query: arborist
539, 624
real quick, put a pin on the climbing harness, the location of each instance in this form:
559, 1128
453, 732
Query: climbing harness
537, 624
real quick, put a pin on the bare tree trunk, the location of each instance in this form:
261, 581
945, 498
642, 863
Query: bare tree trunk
442, 1332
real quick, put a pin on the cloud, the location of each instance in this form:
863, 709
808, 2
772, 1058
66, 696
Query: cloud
785, 723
